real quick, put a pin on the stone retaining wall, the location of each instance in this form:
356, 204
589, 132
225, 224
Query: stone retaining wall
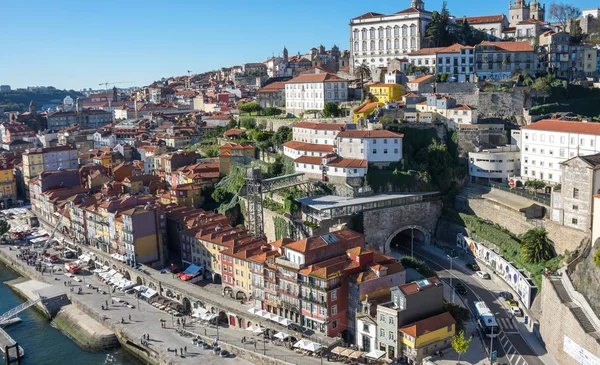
70, 320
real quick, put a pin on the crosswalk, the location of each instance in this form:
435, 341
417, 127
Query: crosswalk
511, 354
506, 324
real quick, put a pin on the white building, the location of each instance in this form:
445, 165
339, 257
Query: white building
547, 143
217, 120
316, 133
366, 330
442, 109
295, 149
104, 139
458, 61
492, 25
378, 38
375, 146
312, 91
331, 167
495, 164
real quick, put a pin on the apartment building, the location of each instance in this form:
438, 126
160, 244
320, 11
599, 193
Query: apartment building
272, 95
38, 160
495, 164
375, 146
316, 133
424, 337
500, 60
231, 154
85, 118
8, 183
547, 143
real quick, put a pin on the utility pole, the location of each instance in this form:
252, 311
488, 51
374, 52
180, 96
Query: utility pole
450, 272
491, 345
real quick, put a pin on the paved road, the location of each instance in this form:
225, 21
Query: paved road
511, 347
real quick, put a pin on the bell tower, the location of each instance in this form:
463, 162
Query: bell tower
417, 4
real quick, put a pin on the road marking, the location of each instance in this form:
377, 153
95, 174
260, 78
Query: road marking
506, 323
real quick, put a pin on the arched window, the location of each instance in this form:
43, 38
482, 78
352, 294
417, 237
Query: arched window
380, 32
413, 30
493, 32
396, 31
404, 43
381, 44
364, 34
388, 44
413, 42
372, 46
364, 45
396, 44
388, 32
404, 29
356, 45
355, 33
372, 33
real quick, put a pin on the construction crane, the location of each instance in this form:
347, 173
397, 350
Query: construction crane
58, 223
112, 83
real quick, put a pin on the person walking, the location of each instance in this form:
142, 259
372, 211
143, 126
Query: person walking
130, 318
185, 349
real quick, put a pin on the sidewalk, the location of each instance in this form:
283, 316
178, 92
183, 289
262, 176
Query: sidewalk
497, 285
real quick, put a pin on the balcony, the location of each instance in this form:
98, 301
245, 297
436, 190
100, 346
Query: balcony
270, 303
270, 290
314, 299
288, 292
290, 278
270, 279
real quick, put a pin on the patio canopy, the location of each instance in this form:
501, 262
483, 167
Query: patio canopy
254, 310
375, 354
347, 352
338, 350
356, 354
308, 345
281, 335
284, 321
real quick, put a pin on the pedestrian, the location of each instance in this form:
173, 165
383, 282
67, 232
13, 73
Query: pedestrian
185, 348
143, 336
106, 301
148, 337
181, 351
254, 346
130, 318
175, 351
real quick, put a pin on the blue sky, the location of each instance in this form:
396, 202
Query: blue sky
76, 44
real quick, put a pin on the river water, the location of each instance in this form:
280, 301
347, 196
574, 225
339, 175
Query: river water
46, 345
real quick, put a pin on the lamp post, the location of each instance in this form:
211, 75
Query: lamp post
491, 345
451, 258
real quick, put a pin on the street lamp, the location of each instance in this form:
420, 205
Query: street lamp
451, 258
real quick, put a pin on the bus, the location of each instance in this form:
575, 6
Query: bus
486, 320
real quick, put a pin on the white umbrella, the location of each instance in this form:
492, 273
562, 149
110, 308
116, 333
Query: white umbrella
313, 346
273, 317
281, 335
254, 310
284, 321
375, 354
258, 330
302, 344
263, 313
251, 328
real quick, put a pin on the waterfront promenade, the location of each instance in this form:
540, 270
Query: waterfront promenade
145, 319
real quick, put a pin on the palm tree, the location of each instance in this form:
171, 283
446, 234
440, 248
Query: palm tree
362, 72
536, 247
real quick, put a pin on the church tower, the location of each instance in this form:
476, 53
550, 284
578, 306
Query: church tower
417, 4
32, 108
518, 12
284, 55
537, 11
114, 98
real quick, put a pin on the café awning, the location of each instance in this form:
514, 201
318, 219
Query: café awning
375, 354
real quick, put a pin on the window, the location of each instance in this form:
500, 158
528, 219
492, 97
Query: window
574, 221
450, 328
334, 295
575, 193
391, 320
381, 332
391, 336
334, 324
381, 318
334, 310
575, 207
385, 150
365, 327
374, 150
395, 150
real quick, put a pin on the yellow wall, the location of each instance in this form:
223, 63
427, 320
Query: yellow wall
388, 92
431, 337
364, 113
146, 246
214, 253
244, 276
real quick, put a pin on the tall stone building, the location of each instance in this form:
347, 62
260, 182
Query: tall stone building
520, 11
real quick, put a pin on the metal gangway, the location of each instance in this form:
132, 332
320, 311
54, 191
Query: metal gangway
6, 344
18, 309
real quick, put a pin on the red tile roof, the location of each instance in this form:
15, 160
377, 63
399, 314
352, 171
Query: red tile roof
425, 78
312, 147
428, 325
485, 19
369, 134
426, 51
315, 242
320, 126
413, 10
348, 163
369, 106
556, 125
321, 77
463, 107
413, 287
234, 132
311, 160
368, 15
509, 46
274, 87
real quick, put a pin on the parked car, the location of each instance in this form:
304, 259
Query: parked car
483, 275
473, 266
506, 295
460, 289
224, 353
516, 311
512, 302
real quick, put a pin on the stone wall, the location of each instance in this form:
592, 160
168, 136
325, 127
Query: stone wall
564, 238
273, 124
380, 224
554, 331
88, 333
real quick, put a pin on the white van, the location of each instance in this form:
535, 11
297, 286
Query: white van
516, 311
483, 275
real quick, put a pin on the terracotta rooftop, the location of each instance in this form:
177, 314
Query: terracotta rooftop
369, 106
348, 163
414, 287
509, 46
312, 160
425, 78
312, 78
485, 19
312, 147
556, 125
316, 242
320, 126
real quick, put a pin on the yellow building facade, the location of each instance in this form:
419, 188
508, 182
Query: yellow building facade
424, 337
364, 110
385, 93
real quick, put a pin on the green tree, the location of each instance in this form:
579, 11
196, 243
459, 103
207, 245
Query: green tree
272, 111
543, 86
458, 312
4, 227
219, 195
576, 32
460, 344
250, 108
363, 72
283, 134
437, 32
420, 266
536, 247
411, 69
535, 185
248, 123
211, 151
466, 33
331, 110
444, 77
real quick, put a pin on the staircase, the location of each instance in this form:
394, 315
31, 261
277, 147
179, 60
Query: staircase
18, 309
